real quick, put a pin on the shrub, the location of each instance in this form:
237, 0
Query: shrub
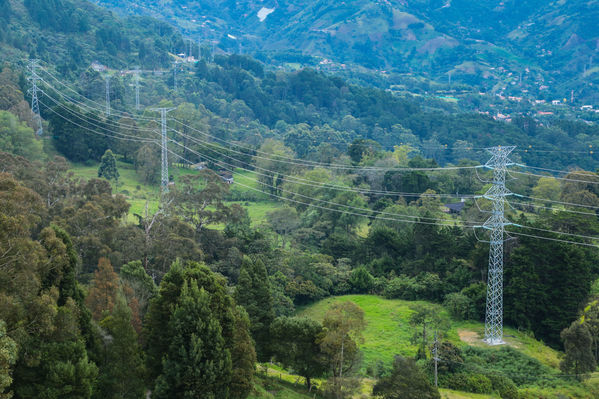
403, 287
361, 281
504, 386
458, 305
475, 383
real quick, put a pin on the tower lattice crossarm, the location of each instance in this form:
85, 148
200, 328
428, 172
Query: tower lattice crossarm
33, 92
163, 144
496, 223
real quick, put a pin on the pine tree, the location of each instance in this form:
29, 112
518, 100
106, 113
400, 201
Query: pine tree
108, 169
159, 326
243, 356
197, 363
121, 371
105, 285
253, 293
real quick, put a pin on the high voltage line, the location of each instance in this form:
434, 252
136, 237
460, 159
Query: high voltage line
381, 192
497, 193
308, 162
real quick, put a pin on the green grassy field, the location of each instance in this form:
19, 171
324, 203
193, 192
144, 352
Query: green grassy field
274, 388
138, 193
388, 331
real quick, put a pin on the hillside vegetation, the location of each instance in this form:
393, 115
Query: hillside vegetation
313, 237
552, 42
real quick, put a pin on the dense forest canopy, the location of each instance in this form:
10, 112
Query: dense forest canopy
308, 227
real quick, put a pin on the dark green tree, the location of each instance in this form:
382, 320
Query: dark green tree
121, 368
578, 345
295, 346
406, 381
243, 356
253, 293
107, 168
159, 330
546, 283
197, 363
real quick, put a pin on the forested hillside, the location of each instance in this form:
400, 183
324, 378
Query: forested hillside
312, 237
551, 43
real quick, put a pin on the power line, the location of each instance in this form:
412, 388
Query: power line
575, 172
308, 197
552, 209
556, 202
318, 206
313, 183
87, 129
323, 164
95, 118
555, 239
559, 178
555, 232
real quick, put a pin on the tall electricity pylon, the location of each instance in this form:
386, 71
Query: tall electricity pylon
496, 224
107, 78
164, 180
136, 73
175, 75
35, 106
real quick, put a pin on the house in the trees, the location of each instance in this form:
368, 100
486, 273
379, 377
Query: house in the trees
226, 176
199, 166
454, 208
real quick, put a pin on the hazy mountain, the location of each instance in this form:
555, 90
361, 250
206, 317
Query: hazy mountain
546, 41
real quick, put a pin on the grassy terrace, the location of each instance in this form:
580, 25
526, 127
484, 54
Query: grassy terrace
388, 331
138, 193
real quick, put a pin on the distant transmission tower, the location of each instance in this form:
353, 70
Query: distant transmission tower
164, 180
107, 78
496, 224
175, 75
35, 107
136, 73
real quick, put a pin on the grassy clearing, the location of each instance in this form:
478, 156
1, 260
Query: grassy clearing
273, 388
138, 193
450, 394
388, 331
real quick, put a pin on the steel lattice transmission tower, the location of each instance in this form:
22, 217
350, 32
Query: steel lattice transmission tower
496, 224
107, 79
175, 75
33, 91
136, 73
164, 179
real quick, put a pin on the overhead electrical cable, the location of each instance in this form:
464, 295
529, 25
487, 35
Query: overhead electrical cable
116, 135
370, 216
313, 183
232, 167
559, 178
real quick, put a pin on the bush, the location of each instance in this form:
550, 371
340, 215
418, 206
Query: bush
475, 383
506, 361
361, 281
504, 386
459, 306
403, 287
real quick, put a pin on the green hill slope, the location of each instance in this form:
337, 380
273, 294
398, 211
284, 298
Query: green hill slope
533, 366
388, 331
